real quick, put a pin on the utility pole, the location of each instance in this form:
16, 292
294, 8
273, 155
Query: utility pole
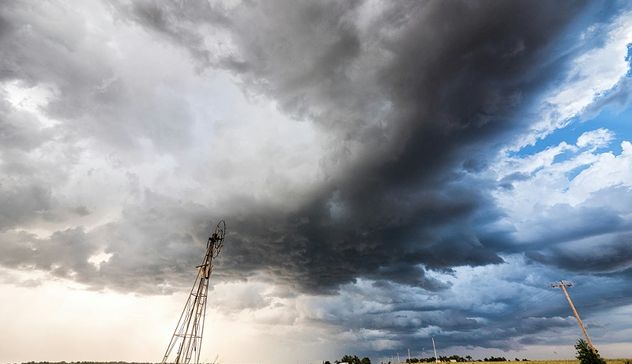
563, 285
435, 351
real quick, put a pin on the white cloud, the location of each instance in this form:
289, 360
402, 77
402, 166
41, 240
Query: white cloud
609, 170
551, 193
531, 163
591, 75
98, 259
595, 138
31, 99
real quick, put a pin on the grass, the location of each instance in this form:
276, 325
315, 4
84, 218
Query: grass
574, 361
609, 361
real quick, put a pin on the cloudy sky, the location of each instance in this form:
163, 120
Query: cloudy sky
388, 172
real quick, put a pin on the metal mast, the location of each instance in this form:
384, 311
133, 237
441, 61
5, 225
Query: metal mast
187, 336
563, 285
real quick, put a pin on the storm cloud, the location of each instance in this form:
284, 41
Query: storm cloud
410, 98
365, 152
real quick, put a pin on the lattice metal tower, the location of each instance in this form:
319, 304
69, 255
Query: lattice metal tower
187, 337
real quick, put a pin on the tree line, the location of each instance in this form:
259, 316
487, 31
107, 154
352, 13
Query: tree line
458, 358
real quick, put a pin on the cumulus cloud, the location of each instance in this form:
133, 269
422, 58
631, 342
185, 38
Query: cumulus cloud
595, 138
583, 225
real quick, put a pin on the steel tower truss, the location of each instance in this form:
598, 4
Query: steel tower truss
187, 336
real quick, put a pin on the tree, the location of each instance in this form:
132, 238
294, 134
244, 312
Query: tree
586, 355
353, 360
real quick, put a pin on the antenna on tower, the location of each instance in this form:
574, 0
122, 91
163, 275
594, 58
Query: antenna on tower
563, 285
187, 336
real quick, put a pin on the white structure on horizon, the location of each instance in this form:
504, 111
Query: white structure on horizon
435, 351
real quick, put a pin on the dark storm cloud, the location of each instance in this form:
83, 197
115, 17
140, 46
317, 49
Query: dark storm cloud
414, 100
598, 254
383, 239
420, 90
517, 315
578, 222
593, 236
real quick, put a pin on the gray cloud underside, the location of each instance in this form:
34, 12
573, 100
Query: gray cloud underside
415, 100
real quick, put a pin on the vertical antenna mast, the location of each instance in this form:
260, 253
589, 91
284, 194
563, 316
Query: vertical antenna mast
435, 351
563, 285
187, 336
